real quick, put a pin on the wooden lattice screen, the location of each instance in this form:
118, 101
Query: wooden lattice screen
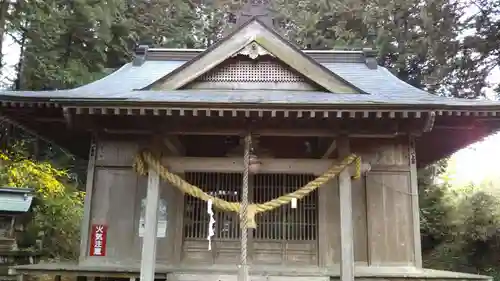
245, 73
282, 224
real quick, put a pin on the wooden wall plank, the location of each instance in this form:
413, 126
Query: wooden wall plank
390, 233
116, 201
359, 220
112, 204
164, 245
112, 153
388, 202
121, 212
329, 224
176, 230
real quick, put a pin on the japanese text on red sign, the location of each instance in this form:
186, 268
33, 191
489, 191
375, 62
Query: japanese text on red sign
98, 240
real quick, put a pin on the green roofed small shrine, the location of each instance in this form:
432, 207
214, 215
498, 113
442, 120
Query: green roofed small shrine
15, 204
252, 160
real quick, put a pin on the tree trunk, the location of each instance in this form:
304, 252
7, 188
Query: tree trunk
4, 12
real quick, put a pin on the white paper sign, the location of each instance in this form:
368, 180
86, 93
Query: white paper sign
211, 224
162, 219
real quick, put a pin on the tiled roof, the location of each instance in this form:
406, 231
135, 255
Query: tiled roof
129, 78
126, 84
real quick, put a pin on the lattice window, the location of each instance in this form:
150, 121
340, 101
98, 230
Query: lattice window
248, 71
285, 223
225, 186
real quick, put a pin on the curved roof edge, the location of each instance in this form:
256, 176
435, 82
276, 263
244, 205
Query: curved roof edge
15, 200
124, 84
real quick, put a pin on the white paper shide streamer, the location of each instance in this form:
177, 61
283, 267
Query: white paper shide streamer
211, 224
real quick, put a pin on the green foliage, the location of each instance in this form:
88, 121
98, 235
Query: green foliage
58, 206
419, 41
67, 44
459, 223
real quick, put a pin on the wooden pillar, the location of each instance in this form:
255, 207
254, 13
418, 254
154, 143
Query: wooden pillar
417, 243
89, 187
346, 224
148, 256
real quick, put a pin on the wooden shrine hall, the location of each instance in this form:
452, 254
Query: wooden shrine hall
251, 160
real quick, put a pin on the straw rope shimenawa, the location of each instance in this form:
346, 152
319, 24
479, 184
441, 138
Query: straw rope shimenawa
244, 218
146, 159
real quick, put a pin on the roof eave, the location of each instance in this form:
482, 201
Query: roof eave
347, 106
16, 190
21, 101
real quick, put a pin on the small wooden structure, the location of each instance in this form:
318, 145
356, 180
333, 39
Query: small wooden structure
305, 111
14, 203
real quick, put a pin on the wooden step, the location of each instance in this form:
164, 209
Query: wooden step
234, 277
6, 244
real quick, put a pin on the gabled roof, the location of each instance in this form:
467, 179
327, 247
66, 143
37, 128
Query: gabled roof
169, 69
123, 85
256, 35
15, 199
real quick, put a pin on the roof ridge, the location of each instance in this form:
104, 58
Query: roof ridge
307, 51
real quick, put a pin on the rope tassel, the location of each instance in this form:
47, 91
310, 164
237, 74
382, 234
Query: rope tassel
211, 223
145, 159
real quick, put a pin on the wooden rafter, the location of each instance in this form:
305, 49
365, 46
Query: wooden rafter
331, 148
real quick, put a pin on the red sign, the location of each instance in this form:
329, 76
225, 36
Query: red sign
98, 240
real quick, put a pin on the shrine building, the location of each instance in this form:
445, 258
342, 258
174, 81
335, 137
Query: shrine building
251, 160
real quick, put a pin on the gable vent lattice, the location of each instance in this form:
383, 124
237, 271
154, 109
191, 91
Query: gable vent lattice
247, 71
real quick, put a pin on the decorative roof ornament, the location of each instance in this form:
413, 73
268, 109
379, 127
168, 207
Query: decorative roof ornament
370, 49
260, 9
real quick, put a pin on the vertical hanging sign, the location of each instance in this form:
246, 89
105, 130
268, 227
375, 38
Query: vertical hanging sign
161, 231
98, 240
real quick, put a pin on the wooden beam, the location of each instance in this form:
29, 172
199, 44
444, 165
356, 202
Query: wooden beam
268, 165
189, 125
417, 247
148, 256
346, 223
68, 118
89, 186
429, 122
330, 149
287, 133
235, 164
261, 132
174, 146
225, 110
